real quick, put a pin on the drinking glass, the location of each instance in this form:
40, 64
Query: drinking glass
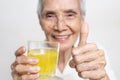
47, 53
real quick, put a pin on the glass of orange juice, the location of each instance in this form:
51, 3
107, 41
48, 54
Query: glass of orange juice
47, 53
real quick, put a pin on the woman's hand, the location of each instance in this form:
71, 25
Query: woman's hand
20, 70
88, 60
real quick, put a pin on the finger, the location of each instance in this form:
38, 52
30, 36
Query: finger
22, 69
72, 63
15, 75
13, 66
93, 75
29, 77
20, 51
88, 56
26, 60
93, 65
80, 50
83, 33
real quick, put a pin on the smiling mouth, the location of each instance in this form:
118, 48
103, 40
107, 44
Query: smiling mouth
61, 38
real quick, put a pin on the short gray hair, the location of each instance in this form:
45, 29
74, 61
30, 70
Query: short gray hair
82, 7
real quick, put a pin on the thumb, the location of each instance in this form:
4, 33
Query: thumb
84, 30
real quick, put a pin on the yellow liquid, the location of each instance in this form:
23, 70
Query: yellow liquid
47, 60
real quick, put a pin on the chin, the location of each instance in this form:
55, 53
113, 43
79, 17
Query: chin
64, 47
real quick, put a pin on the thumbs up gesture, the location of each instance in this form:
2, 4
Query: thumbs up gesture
88, 60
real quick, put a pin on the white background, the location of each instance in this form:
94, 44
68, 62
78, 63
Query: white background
19, 23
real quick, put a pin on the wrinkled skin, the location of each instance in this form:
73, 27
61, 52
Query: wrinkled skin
61, 21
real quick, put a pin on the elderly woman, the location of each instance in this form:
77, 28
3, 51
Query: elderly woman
63, 21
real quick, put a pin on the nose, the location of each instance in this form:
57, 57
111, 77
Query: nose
60, 24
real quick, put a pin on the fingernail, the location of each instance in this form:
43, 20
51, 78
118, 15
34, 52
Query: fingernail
37, 75
38, 68
34, 60
35, 68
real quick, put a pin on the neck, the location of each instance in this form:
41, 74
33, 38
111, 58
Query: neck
63, 59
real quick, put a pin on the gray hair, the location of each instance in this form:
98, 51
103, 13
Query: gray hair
82, 7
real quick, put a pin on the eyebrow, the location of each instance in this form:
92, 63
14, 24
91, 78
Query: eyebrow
48, 12
65, 11
70, 11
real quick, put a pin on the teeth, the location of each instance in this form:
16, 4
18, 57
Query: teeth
61, 37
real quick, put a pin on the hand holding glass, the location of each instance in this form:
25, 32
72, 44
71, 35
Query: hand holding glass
47, 54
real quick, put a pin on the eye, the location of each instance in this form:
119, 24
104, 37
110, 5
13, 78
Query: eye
70, 15
50, 16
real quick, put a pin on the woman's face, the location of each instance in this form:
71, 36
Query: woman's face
61, 21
